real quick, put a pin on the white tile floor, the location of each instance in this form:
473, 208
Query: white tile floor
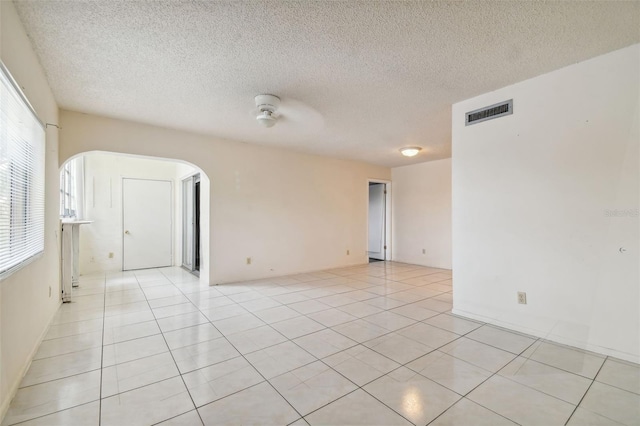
374, 344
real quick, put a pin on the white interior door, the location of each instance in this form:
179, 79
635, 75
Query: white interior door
147, 223
377, 221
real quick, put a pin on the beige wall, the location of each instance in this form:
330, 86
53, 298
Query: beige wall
544, 201
289, 212
422, 213
25, 306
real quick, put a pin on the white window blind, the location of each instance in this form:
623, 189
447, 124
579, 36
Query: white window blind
22, 141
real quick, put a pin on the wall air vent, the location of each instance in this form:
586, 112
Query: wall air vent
489, 113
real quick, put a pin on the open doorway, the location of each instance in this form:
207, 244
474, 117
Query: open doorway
128, 200
378, 226
191, 224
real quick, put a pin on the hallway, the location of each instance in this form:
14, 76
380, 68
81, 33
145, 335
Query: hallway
372, 344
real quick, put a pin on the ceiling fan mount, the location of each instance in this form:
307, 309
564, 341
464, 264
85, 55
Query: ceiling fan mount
267, 106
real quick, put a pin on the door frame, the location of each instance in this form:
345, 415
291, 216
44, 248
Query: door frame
387, 220
172, 218
193, 179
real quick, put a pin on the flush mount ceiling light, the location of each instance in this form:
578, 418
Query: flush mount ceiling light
267, 106
410, 151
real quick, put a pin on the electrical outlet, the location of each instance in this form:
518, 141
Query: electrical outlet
110, 255
424, 251
522, 298
348, 253
248, 261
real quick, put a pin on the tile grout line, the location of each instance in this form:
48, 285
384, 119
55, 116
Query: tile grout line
465, 396
361, 343
529, 387
102, 350
587, 391
60, 378
473, 402
370, 285
361, 387
613, 386
182, 289
246, 360
418, 373
291, 340
440, 293
49, 414
136, 359
380, 336
169, 349
560, 345
318, 359
241, 354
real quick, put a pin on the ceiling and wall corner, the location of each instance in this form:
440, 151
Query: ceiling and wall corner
358, 80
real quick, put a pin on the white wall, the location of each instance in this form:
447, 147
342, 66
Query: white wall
25, 306
103, 205
422, 213
289, 212
532, 196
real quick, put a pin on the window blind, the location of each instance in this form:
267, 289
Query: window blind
22, 142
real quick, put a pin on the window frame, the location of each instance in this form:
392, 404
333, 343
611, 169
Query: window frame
24, 207
69, 189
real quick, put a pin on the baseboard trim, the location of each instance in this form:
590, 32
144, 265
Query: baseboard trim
579, 344
428, 264
297, 272
13, 389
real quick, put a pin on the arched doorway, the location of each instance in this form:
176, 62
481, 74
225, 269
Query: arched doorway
116, 192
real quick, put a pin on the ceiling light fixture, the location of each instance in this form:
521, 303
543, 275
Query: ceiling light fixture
410, 151
267, 106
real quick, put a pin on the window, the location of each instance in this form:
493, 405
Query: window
70, 188
22, 151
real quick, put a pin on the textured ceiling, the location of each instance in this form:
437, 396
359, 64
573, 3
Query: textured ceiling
358, 79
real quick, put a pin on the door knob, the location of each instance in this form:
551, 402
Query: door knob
127, 232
